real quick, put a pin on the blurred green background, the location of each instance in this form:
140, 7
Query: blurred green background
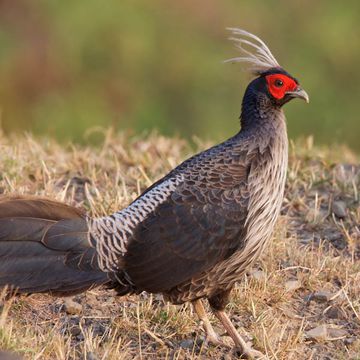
67, 66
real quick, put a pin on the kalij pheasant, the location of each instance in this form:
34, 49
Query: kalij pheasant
190, 236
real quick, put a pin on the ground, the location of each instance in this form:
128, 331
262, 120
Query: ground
300, 301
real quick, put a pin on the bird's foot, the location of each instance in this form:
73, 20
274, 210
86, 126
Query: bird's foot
247, 352
214, 339
211, 337
241, 345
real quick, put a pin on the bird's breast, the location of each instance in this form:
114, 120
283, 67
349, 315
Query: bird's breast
266, 189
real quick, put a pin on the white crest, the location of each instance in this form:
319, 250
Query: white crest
258, 55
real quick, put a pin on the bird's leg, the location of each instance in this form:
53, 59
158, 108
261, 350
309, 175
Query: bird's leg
218, 303
240, 343
211, 336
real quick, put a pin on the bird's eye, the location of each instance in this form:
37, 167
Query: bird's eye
278, 83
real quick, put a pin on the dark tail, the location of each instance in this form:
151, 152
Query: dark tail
44, 247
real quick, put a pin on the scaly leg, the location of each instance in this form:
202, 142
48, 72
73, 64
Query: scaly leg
211, 336
218, 303
244, 348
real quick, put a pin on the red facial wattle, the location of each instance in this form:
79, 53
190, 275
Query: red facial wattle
279, 84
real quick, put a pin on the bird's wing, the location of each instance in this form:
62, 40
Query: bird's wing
199, 224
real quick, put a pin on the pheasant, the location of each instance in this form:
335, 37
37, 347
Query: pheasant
190, 236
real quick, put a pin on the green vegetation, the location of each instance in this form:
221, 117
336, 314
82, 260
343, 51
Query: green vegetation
68, 66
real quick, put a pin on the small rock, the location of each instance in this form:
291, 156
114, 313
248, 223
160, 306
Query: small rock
322, 333
75, 331
319, 333
290, 313
335, 333
72, 307
292, 285
339, 209
258, 275
334, 313
98, 329
187, 344
321, 296
91, 356
4, 355
332, 234
350, 340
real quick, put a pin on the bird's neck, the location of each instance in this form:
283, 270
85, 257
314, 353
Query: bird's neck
259, 114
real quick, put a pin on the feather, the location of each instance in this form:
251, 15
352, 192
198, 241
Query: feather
44, 247
255, 53
111, 233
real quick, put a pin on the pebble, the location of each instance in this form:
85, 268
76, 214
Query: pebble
72, 307
335, 333
321, 296
91, 356
334, 313
339, 209
5, 355
323, 333
75, 331
258, 275
319, 333
80, 337
350, 340
292, 285
290, 313
98, 329
187, 344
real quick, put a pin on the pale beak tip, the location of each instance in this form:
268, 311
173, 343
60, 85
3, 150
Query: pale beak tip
301, 94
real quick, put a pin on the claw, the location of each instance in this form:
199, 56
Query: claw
249, 353
214, 339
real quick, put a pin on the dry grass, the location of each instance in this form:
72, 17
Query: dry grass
313, 250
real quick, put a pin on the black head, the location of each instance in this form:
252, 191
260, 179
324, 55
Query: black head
266, 94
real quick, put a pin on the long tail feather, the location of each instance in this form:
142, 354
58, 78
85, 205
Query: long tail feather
45, 247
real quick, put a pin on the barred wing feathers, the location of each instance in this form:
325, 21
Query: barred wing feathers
200, 224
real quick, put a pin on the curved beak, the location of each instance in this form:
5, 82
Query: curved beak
299, 93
